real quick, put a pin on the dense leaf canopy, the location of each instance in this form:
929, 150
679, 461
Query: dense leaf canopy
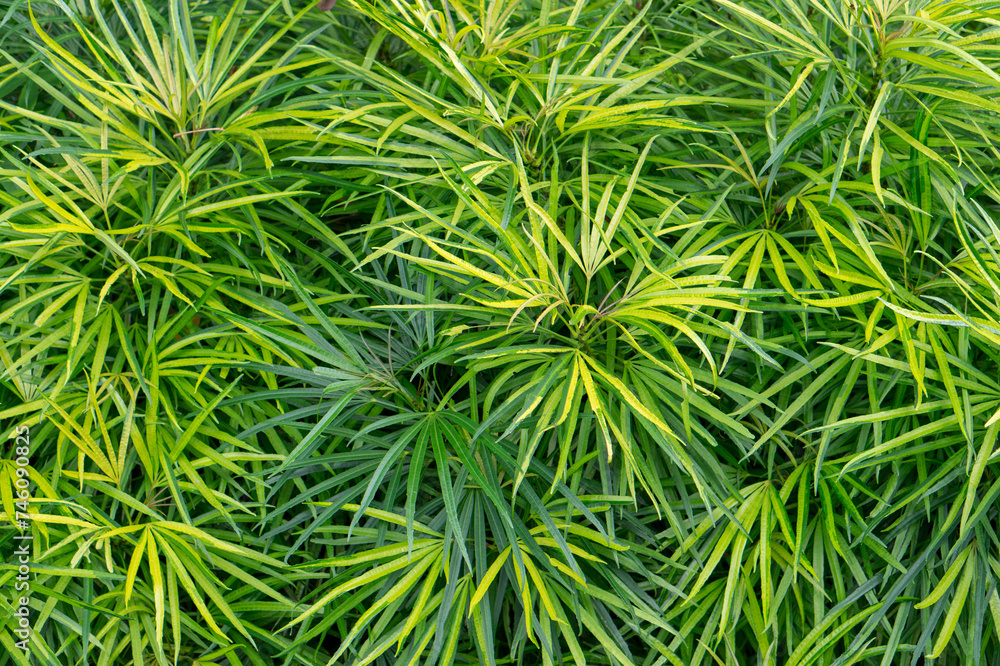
525, 331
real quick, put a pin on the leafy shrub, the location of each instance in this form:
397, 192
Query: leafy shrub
535, 332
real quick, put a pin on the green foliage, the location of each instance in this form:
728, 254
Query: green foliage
511, 332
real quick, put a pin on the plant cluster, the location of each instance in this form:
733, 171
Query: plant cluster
522, 331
